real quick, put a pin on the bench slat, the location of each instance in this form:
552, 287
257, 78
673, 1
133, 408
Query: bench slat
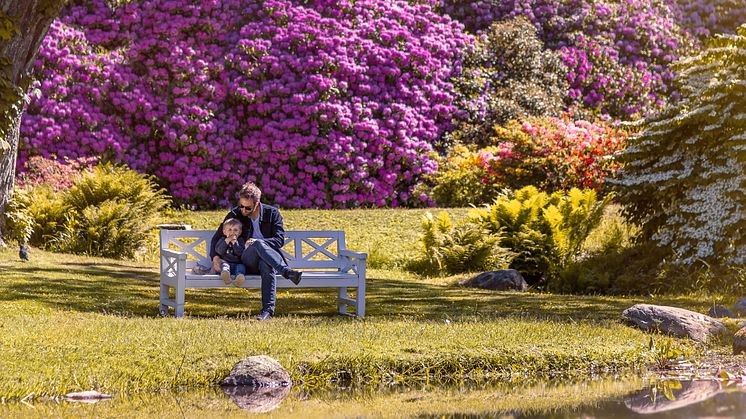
200, 281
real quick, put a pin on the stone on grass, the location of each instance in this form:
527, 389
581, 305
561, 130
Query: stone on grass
674, 321
740, 307
721, 311
258, 371
502, 280
739, 341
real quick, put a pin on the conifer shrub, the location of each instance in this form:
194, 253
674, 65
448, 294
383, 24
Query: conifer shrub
684, 174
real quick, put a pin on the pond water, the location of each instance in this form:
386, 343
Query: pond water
600, 398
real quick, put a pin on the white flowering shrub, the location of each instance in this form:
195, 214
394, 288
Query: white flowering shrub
684, 173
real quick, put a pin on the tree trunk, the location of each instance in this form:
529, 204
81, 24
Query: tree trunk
23, 25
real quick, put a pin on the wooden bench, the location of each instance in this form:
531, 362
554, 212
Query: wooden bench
321, 255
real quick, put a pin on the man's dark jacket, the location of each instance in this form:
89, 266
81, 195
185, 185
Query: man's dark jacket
270, 224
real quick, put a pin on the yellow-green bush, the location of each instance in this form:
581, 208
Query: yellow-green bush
546, 232
466, 247
107, 212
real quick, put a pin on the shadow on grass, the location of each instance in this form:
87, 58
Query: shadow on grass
127, 289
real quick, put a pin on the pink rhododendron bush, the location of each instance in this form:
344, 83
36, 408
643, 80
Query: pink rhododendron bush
324, 103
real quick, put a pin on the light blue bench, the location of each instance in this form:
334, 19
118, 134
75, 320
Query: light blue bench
321, 255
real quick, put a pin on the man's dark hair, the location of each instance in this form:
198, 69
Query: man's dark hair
250, 191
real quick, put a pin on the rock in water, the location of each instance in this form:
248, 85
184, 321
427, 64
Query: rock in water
502, 280
674, 321
89, 396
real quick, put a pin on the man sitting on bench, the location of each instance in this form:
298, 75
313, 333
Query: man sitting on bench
264, 233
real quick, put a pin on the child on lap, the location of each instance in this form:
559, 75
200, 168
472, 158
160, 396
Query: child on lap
229, 248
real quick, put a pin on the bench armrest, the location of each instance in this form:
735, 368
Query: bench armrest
353, 255
173, 254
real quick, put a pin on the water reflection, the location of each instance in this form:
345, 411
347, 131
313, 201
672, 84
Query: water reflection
668, 395
598, 398
257, 399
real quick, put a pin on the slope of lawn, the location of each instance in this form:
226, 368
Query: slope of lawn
76, 323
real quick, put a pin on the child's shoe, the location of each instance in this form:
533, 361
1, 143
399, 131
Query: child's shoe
240, 279
225, 275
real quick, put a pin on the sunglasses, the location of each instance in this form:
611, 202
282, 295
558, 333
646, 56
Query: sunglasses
248, 208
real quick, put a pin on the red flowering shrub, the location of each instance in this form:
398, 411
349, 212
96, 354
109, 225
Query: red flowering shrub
554, 153
549, 153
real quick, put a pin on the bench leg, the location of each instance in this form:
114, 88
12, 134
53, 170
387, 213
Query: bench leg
180, 297
341, 304
163, 309
360, 302
360, 293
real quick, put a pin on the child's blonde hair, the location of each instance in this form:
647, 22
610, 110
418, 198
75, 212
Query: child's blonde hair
232, 222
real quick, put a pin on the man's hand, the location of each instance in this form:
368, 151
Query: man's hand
249, 241
216, 261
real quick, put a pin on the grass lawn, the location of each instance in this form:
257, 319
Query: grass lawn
76, 323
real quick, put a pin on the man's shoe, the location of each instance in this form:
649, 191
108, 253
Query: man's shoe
264, 315
293, 275
240, 279
226, 277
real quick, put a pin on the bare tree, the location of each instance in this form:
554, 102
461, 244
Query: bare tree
23, 25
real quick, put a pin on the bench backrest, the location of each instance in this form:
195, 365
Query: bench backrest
308, 249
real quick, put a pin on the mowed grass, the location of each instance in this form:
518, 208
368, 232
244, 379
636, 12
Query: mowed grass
74, 323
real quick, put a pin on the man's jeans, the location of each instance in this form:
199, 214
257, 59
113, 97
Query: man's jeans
261, 259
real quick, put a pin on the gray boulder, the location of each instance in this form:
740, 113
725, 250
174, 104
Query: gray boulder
739, 341
674, 321
720, 312
257, 399
502, 280
740, 307
258, 371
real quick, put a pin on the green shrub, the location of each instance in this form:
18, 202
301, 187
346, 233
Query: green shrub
451, 249
111, 211
107, 212
546, 232
507, 74
34, 215
637, 269
18, 224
